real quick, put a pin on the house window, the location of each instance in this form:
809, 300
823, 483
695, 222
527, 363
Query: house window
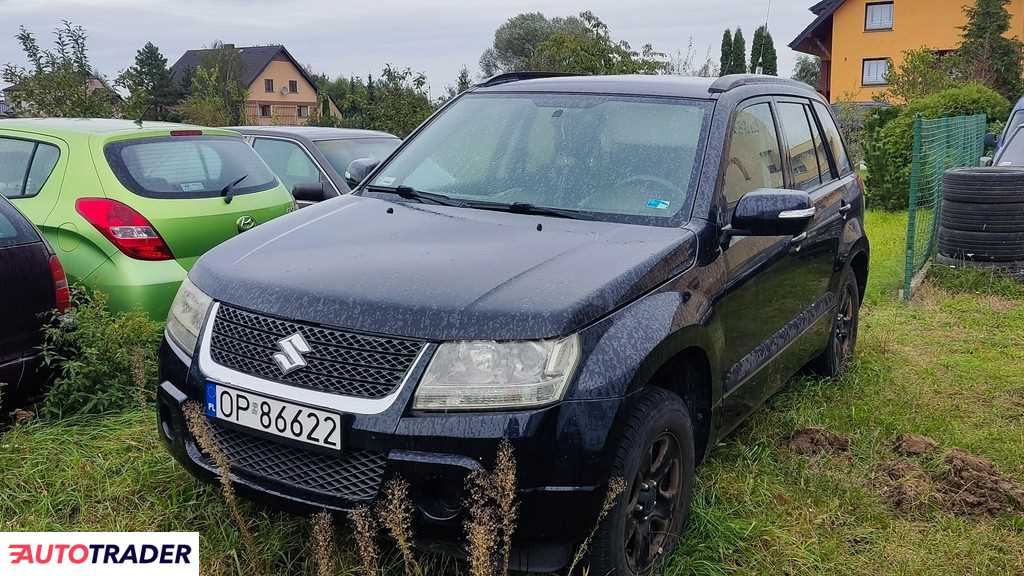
878, 16
265, 110
874, 72
268, 85
303, 111
293, 86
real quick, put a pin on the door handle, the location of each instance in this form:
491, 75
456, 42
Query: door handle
799, 238
844, 208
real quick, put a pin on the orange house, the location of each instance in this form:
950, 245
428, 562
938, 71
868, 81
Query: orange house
281, 92
859, 40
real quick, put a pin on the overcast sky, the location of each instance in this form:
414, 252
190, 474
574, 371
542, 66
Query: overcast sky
354, 37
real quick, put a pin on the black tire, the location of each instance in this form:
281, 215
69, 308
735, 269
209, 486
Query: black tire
999, 185
842, 339
983, 217
983, 246
657, 419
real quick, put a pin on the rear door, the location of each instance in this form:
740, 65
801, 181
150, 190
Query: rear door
31, 170
26, 286
179, 184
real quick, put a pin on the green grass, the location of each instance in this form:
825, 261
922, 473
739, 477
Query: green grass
949, 366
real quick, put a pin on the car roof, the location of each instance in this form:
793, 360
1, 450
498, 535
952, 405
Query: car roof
93, 126
313, 132
641, 85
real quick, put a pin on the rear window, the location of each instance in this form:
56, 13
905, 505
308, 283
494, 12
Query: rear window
188, 166
14, 228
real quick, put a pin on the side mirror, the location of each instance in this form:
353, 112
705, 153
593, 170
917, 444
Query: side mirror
991, 141
309, 192
359, 169
770, 212
986, 161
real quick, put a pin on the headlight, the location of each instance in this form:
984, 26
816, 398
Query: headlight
487, 375
187, 314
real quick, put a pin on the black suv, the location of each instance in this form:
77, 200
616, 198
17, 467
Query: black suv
610, 272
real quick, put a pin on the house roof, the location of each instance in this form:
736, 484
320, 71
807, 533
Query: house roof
255, 59
824, 11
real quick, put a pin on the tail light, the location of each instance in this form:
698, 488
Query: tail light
126, 229
60, 284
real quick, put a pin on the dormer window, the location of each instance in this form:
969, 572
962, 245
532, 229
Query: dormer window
878, 16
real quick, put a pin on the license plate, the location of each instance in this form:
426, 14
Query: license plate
273, 416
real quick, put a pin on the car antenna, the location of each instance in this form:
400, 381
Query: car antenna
138, 122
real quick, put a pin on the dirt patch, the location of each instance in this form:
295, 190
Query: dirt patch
973, 486
914, 445
904, 485
814, 441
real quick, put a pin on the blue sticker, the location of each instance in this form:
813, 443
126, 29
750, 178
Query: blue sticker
211, 399
658, 204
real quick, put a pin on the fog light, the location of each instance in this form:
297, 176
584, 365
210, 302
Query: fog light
439, 499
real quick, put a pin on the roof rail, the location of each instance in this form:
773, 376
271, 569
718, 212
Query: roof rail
507, 77
731, 81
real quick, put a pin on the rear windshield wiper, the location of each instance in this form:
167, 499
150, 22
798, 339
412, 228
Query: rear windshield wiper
410, 193
227, 191
527, 208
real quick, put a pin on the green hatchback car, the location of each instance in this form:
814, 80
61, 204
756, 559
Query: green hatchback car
130, 208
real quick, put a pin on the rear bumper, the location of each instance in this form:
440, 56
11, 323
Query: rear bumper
561, 482
138, 284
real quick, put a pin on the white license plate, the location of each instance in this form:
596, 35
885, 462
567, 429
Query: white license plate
272, 416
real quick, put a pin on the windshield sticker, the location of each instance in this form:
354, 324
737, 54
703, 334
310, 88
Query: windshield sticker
387, 180
658, 204
192, 187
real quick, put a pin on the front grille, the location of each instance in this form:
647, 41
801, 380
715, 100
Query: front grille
340, 362
353, 476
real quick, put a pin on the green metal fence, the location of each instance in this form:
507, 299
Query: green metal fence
939, 145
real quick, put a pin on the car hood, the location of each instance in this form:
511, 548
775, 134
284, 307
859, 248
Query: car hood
440, 273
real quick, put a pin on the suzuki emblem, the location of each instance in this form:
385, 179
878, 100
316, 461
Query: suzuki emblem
290, 357
245, 223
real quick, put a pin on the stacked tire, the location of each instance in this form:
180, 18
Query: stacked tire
983, 215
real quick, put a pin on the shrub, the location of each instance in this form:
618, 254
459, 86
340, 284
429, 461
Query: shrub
103, 361
889, 149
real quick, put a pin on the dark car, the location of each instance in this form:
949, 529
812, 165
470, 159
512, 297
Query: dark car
32, 282
609, 272
311, 161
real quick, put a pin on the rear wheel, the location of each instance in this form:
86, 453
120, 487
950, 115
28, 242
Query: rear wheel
843, 337
656, 460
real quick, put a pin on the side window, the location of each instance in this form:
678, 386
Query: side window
289, 161
835, 141
754, 158
14, 228
25, 166
803, 151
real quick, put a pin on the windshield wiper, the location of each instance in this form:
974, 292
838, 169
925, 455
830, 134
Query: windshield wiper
527, 208
410, 193
227, 191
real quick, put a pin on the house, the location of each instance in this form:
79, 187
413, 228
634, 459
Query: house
11, 98
281, 92
859, 40
5, 110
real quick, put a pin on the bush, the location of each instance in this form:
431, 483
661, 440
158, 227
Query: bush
103, 362
889, 148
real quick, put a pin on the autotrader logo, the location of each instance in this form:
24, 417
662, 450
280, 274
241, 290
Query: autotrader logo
99, 553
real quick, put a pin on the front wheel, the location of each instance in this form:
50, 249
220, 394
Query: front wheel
843, 336
655, 458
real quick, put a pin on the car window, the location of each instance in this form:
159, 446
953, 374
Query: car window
341, 152
187, 167
832, 136
288, 160
25, 166
620, 158
755, 158
1012, 152
1016, 119
803, 150
14, 228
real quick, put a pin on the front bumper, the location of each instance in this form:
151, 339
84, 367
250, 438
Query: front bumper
562, 464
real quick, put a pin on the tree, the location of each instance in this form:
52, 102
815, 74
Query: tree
922, 72
595, 52
725, 61
152, 93
59, 82
807, 70
217, 95
462, 83
986, 55
763, 58
516, 41
401, 102
738, 63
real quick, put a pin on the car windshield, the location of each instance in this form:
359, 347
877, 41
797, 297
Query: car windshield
341, 152
1012, 152
619, 158
188, 166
